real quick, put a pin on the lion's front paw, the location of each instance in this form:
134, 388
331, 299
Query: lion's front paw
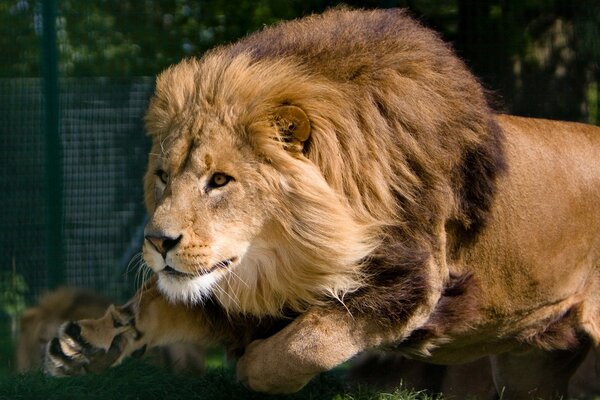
263, 368
89, 345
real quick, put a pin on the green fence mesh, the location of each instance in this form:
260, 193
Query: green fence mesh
103, 158
21, 172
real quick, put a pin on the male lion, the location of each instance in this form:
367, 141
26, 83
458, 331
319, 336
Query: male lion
339, 183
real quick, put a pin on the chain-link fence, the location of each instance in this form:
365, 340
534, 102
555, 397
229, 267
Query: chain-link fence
103, 156
72, 157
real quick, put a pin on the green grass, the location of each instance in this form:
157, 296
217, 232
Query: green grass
136, 380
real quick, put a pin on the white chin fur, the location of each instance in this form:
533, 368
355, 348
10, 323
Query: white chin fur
193, 291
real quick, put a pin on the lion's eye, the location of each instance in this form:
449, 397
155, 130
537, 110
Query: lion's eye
162, 175
219, 180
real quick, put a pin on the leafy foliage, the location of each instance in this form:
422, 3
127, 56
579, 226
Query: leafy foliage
541, 57
13, 289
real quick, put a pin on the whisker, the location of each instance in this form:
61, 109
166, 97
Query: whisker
133, 262
142, 269
235, 300
239, 278
341, 301
231, 273
145, 272
138, 273
162, 147
215, 259
134, 258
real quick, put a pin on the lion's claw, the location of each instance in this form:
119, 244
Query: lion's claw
65, 353
91, 345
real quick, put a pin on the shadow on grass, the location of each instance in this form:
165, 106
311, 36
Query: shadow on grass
136, 380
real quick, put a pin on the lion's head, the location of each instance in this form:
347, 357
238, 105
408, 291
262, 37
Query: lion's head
280, 165
237, 208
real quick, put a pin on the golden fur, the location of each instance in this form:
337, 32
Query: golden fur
346, 170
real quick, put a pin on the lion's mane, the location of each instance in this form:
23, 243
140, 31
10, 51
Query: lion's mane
402, 135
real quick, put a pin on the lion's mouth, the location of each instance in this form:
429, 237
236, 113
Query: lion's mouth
172, 272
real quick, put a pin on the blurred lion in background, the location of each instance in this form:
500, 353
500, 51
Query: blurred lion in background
40, 323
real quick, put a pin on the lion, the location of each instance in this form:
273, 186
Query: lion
340, 183
40, 323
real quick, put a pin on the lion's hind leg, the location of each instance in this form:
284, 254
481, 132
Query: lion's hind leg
536, 373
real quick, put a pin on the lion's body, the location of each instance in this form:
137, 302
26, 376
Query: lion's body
537, 259
347, 170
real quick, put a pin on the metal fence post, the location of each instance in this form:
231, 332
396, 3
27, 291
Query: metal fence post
53, 153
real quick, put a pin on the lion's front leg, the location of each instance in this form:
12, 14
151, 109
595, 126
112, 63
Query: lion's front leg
147, 320
316, 342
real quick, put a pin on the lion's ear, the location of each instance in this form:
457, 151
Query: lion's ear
293, 125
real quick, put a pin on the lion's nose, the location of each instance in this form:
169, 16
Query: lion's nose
163, 243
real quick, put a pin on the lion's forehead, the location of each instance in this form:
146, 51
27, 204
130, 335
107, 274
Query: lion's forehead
205, 147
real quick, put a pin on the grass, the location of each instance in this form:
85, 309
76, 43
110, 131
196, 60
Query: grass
136, 380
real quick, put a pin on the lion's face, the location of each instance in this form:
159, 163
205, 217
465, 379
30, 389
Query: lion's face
240, 207
210, 202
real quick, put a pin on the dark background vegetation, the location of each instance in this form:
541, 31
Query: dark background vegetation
72, 147
540, 56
